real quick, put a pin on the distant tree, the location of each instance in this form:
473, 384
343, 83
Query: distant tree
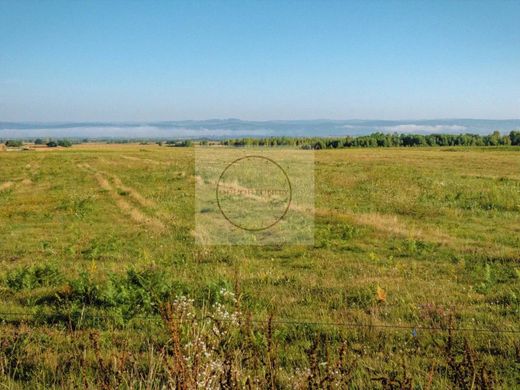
38, 141
320, 144
335, 143
64, 143
505, 140
493, 139
514, 136
13, 143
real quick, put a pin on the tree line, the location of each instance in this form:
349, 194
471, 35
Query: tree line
15, 143
363, 141
382, 140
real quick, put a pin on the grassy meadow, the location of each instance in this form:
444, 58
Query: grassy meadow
413, 280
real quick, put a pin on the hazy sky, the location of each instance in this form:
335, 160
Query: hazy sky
139, 61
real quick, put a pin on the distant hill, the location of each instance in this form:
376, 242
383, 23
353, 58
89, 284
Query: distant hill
222, 128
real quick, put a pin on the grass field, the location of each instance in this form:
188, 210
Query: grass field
102, 285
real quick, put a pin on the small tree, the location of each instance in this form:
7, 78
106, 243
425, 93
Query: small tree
505, 140
319, 145
493, 139
515, 137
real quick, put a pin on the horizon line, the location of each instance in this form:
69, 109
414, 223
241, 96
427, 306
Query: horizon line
253, 120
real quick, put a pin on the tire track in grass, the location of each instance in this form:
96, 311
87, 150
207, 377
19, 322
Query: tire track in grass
138, 198
147, 160
383, 223
394, 226
126, 207
118, 163
132, 193
389, 224
141, 200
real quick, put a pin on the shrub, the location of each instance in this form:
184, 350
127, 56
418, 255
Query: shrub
132, 293
87, 292
33, 277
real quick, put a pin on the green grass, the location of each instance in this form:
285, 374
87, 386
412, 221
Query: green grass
96, 240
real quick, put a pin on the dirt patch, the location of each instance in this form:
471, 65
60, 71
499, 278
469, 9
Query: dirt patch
6, 185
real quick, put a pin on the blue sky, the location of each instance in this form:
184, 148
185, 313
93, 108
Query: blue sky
140, 61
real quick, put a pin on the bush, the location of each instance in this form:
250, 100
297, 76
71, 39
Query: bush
33, 277
131, 293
